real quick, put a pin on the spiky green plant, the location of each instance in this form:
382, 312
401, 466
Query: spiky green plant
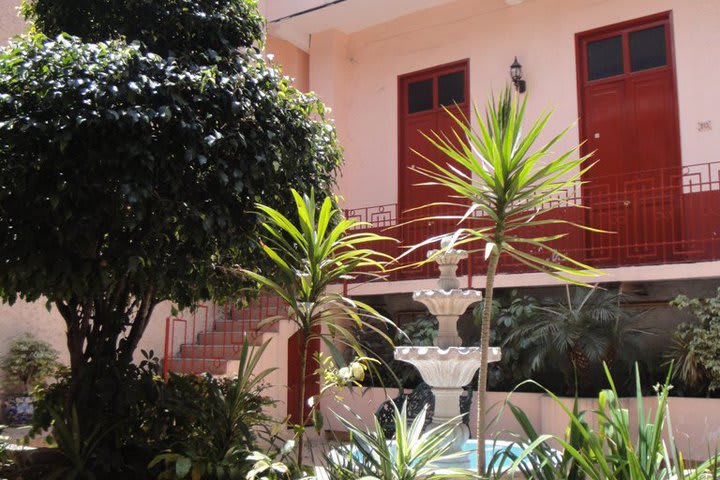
413, 453
503, 184
316, 249
616, 450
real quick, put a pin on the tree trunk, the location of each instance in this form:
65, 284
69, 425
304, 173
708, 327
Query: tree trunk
484, 353
95, 345
582, 367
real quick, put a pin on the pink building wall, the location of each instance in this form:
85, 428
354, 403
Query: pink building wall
11, 23
356, 73
294, 62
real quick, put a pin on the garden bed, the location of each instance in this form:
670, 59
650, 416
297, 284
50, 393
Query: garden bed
695, 421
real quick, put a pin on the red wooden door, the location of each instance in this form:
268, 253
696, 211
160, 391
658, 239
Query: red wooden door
295, 377
423, 98
628, 106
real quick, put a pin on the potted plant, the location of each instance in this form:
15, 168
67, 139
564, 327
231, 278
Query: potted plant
28, 363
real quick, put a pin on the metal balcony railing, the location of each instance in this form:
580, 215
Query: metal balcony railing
656, 217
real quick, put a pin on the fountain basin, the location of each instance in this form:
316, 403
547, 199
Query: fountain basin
451, 367
447, 306
447, 371
447, 302
493, 457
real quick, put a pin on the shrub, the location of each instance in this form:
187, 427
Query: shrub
196, 419
28, 363
696, 353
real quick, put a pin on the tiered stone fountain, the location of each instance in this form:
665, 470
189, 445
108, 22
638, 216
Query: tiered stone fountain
447, 367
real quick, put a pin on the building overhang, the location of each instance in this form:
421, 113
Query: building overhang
296, 20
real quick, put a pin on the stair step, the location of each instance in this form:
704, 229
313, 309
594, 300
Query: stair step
213, 366
228, 338
239, 326
223, 352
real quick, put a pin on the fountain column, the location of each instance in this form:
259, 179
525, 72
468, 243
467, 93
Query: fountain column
447, 367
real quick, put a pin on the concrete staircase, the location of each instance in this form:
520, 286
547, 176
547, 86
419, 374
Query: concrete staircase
212, 342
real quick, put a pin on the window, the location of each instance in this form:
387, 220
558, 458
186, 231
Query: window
633, 49
435, 91
647, 48
451, 88
420, 96
605, 58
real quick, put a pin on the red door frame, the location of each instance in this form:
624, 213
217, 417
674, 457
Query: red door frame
403, 81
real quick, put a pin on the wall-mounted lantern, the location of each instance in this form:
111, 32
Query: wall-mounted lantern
516, 75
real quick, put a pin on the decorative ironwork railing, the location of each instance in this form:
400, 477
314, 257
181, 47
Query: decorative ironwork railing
655, 217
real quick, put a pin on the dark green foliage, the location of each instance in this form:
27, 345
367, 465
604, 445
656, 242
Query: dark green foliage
197, 30
123, 173
696, 353
579, 334
121, 427
194, 417
509, 312
29, 362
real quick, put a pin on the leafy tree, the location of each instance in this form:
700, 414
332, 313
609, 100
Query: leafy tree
197, 31
126, 177
507, 187
29, 362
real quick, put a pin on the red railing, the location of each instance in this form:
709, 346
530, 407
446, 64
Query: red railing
206, 339
656, 217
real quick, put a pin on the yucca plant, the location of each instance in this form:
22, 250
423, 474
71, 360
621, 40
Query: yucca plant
614, 451
503, 184
313, 251
413, 453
